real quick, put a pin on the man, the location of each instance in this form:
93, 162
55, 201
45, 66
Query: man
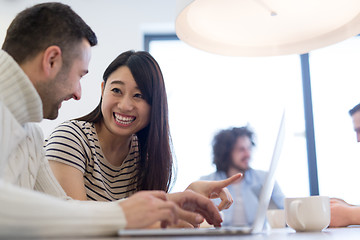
355, 115
342, 213
232, 150
45, 53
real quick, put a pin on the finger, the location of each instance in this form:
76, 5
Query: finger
167, 214
205, 207
184, 224
226, 199
165, 211
158, 194
200, 204
214, 195
211, 217
192, 218
230, 180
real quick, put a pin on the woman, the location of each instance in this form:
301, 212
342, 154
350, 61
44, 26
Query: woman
123, 145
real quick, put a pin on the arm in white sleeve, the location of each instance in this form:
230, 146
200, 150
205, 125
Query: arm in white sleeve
47, 183
26, 213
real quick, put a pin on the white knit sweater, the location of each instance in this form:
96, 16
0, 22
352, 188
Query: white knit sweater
23, 169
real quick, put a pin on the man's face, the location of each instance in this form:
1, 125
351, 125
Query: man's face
66, 84
241, 154
356, 123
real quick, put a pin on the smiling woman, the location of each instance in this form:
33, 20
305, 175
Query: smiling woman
123, 145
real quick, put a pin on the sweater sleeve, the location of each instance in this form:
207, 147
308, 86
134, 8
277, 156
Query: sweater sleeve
47, 183
25, 213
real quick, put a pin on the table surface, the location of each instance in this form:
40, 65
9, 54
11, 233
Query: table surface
347, 233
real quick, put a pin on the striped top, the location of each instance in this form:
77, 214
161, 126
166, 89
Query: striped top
76, 143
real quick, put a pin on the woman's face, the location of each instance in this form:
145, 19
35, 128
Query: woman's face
124, 109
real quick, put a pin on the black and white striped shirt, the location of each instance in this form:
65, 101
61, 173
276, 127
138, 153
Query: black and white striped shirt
76, 143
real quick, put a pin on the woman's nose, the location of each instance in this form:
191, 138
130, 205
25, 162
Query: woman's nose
126, 104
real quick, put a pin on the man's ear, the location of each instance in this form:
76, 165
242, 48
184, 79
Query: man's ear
52, 61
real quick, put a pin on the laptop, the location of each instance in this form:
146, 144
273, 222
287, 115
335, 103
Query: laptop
257, 226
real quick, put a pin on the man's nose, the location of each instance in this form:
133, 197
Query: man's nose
77, 93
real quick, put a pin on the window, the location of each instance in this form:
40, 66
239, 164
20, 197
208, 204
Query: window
335, 77
208, 93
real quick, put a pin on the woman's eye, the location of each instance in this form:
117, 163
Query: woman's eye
116, 90
138, 95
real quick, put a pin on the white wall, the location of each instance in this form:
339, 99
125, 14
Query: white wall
119, 25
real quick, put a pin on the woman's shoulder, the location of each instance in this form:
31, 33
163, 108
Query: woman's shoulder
75, 128
75, 125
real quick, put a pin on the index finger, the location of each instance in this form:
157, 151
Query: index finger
230, 180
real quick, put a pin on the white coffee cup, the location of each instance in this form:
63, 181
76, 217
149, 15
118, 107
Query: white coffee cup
276, 218
308, 213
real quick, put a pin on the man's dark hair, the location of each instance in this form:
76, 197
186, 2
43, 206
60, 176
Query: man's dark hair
354, 109
43, 25
223, 145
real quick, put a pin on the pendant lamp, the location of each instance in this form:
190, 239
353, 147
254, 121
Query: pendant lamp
254, 28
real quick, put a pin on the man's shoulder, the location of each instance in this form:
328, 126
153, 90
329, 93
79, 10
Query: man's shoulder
7, 120
35, 130
256, 173
4, 111
214, 176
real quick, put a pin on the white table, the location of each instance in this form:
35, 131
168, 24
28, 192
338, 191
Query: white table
347, 233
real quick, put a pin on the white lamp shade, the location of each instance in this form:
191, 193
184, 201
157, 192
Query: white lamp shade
266, 27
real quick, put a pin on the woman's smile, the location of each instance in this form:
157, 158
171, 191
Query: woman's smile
123, 120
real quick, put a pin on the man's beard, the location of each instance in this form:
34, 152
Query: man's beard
53, 109
53, 114
238, 168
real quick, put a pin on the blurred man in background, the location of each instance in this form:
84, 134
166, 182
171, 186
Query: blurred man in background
232, 152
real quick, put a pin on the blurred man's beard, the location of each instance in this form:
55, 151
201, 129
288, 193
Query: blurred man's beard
238, 168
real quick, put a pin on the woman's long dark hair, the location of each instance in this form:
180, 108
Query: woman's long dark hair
156, 162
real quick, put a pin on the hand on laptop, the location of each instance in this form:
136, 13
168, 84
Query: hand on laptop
194, 208
145, 208
216, 189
